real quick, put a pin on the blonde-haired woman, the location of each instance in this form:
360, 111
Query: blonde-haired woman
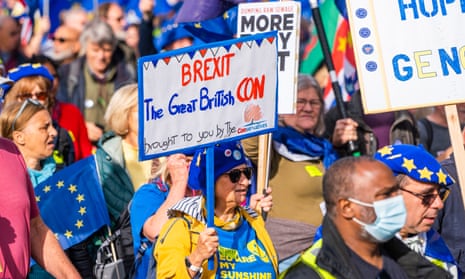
120, 171
150, 204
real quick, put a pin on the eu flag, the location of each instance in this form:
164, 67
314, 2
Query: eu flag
200, 10
71, 202
220, 28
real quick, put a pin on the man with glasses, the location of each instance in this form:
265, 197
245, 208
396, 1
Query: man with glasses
364, 211
424, 186
65, 45
450, 222
113, 14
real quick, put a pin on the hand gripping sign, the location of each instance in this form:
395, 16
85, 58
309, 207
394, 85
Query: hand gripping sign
206, 94
201, 95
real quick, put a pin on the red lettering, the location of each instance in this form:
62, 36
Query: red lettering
208, 69
197, 69
185, 74
227, 57
250, 88
217, 67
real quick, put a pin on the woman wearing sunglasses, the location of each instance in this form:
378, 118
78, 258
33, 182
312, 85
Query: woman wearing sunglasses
34, 81
238, 241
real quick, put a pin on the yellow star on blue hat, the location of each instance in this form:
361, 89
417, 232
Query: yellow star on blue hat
415, 162
425, 173
408, 164
442, 177
387, 150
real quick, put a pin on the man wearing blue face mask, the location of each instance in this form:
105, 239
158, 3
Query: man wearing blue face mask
424, 185
364, 212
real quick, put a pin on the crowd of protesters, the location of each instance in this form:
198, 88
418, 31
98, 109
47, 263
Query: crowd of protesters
394, 211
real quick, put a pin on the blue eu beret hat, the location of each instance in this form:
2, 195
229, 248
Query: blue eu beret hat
227, 155
415, 162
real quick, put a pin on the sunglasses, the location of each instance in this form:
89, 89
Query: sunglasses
60, 39
235, 175
41, 96
428, 199
23, 107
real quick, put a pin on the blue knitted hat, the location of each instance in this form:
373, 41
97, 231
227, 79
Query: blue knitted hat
26, 70
415, 162
227, 155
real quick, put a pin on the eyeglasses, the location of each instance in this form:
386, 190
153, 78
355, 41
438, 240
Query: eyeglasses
21, 110
41, 96
428, 199
61, 39
313, 103
235, 175
118, 19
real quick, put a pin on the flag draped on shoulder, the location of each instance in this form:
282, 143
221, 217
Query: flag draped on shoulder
71, 202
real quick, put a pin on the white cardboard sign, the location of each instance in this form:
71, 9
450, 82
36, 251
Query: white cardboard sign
283, 17
204, 94
409, 53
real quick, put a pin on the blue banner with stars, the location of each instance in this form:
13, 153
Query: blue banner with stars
71, 202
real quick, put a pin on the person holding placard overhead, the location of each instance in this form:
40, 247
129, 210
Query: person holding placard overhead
298, 160
238, 241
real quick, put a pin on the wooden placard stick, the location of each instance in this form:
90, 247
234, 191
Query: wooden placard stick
456, 139
264, 145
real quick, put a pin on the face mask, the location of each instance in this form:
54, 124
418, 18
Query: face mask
390, 217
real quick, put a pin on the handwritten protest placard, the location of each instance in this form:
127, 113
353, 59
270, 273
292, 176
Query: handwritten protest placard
409, 53
283, 17
208, 93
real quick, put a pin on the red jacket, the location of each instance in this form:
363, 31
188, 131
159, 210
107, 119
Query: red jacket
69, 117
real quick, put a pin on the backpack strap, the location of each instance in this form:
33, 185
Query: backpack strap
152, 267
73, 78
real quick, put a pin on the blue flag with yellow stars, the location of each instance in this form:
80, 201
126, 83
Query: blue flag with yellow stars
71, 202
